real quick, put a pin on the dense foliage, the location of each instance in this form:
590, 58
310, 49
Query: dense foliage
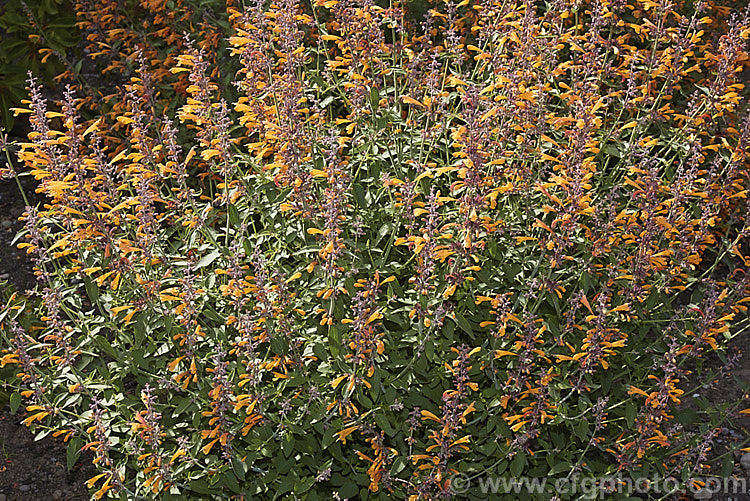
338, 250
35, 37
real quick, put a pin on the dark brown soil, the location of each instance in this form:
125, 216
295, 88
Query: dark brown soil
720, 384
32, 470
14, 266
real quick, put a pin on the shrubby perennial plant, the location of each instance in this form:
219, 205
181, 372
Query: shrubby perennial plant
340, 249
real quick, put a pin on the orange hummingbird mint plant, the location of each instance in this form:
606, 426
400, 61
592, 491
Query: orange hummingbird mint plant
557, 195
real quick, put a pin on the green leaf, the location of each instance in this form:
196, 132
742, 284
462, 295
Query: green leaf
182, 406
429, 350
374, 98
560, 468
518, 464
248, 246
559, 440
686, 416
201, 487
287, 484
727, 466
139, 330
630, 412
104, 344
463, 323
334, 340
501, 467
15, 401
234, 215
230, 480
350, 490
73, 451
239, 468
208, 259
287, 444
359, 195
283, 466
384, 424
91, 289
612, 150
582, 429
328, 437
303, 485
398, 465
